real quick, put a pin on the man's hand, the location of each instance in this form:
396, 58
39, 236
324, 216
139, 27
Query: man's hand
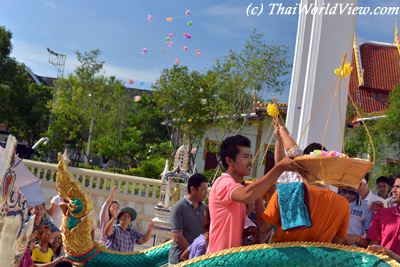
352, 239
288, 164
376, 206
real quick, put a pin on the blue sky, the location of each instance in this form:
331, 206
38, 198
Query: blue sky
120, 30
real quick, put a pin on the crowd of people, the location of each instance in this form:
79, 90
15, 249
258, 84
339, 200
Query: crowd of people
45, 247
243, 213
344, 215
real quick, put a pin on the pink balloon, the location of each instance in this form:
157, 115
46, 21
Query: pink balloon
144, 51
131, 81
149, 17
185, 48
187, 35
177, 61
170, 35
137, 98
170, 43
198, 52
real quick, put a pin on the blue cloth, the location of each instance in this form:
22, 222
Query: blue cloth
122, 240
198, 247
293, 205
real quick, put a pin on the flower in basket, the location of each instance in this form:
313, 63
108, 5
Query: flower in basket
273, 110
344, 71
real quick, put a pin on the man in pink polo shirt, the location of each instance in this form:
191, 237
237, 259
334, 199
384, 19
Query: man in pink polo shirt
228, 197
384, 231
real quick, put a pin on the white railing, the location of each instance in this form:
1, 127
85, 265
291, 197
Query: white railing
93, 181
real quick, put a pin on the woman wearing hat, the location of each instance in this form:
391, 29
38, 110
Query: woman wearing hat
121, 236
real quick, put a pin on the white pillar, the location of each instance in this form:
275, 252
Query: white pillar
320, 46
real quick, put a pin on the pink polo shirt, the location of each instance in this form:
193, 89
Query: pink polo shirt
227, 216
385, 227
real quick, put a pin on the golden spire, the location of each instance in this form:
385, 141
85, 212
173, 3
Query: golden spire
396, 37
358, 63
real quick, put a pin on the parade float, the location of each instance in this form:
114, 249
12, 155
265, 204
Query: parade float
83, 251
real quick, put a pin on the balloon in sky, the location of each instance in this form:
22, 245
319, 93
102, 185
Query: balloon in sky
170, 35
144, 51
188, 13
131, 81
169, 19
167, 39
149, 17
189, 23
137, 98
197, 52
177, 61
185, 48
187, 35
170, 43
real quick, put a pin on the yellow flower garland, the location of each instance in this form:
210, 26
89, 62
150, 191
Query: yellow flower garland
273, 110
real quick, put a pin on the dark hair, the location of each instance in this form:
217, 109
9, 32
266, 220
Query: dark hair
57, 250
64, 264
382, 179
229, 147
366, 177
313, 146
196, 180
109, 213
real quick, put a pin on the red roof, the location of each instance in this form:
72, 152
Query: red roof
381, 66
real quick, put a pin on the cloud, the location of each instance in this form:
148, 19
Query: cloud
123, 73
36, 58
49, 4
219, 30
224, 10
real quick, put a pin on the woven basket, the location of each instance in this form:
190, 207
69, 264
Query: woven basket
336, 171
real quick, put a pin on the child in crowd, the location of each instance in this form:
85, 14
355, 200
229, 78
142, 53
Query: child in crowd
199, 245
55, 243
42, 253
27, 261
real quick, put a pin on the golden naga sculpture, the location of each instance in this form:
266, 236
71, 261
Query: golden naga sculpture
77, 222
77, 226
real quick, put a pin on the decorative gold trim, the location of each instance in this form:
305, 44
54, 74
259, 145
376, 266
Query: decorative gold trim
396, 37
224, 252
358, 63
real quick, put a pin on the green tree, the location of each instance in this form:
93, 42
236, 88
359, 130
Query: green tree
86, 96
191, 102
388, 136
24, 109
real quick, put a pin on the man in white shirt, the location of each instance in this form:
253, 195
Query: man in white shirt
374, 202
